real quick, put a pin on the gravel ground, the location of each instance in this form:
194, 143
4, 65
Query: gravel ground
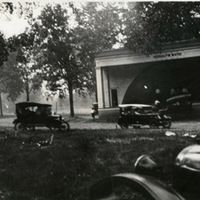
86, 122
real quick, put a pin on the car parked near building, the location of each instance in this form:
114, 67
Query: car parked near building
145, 183
136, 115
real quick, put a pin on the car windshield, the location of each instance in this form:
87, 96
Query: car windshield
24, 110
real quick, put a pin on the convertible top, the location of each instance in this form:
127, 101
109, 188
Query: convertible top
178, 97
27, 103
135, 105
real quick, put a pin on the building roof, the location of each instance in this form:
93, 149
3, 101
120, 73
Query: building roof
178, 45
171, 51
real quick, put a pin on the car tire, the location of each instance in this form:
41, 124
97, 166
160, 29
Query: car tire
30, 128
136, 126
19, 126
123, 126
166, 124
64, 126
153, 124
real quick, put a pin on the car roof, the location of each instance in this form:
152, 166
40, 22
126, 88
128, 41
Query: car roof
27, 103
188, 158
177, 97
135, 105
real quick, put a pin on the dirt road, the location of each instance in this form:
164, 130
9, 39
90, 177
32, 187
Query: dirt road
86, 122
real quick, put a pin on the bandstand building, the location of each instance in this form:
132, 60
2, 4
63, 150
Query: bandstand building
124, 77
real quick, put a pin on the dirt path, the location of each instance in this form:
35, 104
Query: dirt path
86, 122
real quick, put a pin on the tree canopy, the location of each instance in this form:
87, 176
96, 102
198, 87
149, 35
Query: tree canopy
149, 25
10, 81
68, 43
64, 39
25, 64
3, 49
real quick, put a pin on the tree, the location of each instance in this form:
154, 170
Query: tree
10, 81
3, 58
3, 50
99, 25
68, 40
149, 25
58, 51
23, 45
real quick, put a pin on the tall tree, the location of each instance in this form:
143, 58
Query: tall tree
3, 58
149, 25
3, 49
23, 45
98, 26
10, 81
58, 51
68, 40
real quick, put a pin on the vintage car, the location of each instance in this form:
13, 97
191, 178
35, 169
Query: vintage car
141, 114
179, 104
31, 115
144, 184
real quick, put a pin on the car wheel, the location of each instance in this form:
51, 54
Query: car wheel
136, 126
30, 128
64, 126
19, 126
166, 124
153, 124
123, 126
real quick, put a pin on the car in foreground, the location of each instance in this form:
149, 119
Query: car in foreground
145, 184
136, 115
32, 114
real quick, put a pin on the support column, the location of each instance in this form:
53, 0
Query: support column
106, 89
99, 81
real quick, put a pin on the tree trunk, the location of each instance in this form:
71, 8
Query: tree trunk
1, 106
27, 96
71, 101
27, 91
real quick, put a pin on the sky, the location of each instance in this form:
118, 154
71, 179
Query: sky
14, 24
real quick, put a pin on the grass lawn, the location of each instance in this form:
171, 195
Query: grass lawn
66, 169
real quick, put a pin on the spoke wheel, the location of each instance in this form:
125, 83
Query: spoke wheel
64, 126
123, 126
153, 125
19, 126
166, 124
30, 128
136, 126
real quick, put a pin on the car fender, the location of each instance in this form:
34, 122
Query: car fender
148, 186
16, 121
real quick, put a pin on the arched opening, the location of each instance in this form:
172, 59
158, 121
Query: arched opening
161, 78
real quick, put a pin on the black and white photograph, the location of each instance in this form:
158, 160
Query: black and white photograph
99, 100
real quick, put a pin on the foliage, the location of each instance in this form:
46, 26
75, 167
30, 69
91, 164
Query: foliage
3, 49
148, 25
23, 44
97, 29
10, 82
6, 7
67, 44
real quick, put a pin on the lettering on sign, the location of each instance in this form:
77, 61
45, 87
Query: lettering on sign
168, 55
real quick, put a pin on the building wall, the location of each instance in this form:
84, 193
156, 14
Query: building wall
121, 78
117, 69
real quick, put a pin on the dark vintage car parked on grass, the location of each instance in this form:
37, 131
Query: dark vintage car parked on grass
31, 115
136, 115
145, 182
